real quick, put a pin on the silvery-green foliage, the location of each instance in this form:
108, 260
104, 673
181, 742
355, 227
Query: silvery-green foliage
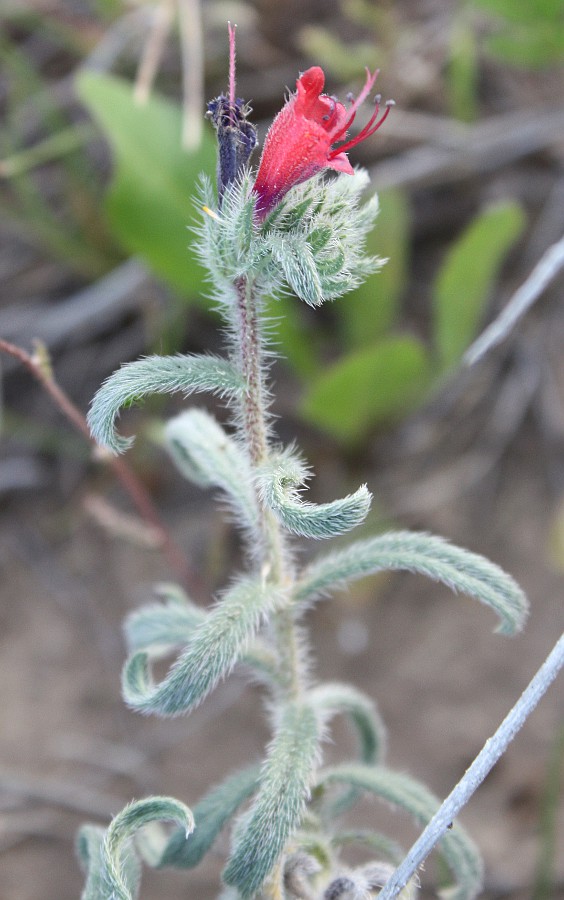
427, 555
284, 788
380, 844
210, 815
216, 645
400, 790
206, 455
160, 628
332, 698
280, 482
156, 375
110, 858
313, 243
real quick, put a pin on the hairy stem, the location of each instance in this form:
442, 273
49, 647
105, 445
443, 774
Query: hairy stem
273, 556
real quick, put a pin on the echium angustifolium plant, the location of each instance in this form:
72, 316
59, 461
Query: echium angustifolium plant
287, 228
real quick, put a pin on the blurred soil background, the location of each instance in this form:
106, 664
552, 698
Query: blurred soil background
477, 456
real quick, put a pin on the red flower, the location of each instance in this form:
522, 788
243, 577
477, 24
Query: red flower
300, 141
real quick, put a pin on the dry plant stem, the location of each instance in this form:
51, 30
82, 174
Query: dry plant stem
128, 479
491, 752
273, 559
192, 47
153, 50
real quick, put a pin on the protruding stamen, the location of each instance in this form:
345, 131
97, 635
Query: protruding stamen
231, 29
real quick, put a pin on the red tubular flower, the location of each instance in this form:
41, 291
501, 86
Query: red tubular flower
300, 141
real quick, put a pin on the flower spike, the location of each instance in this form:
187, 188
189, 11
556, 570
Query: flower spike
300, 142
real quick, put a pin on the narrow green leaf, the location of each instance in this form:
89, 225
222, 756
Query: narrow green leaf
150, 203
279, 484
333, 698
367, 387
207, 455
155, 375
215, 647
280, 803
427, 555
466, 278
379, 844
111, 862
210, 816
369, 311
400, 790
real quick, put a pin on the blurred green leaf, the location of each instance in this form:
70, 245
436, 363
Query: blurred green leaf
367, 387
462, 80
528, 35
340, 59
370, 310
150, 202
465, 279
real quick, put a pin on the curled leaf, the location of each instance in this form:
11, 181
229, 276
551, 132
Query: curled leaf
427, 555
214, 648
112, 864
155, 375
400, 790
280, 483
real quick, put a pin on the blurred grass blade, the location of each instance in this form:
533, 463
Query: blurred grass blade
368, 387
150, 202
466, 278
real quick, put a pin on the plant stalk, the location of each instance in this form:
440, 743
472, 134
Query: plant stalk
273, 557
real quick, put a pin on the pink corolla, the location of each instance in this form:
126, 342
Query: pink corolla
301, 140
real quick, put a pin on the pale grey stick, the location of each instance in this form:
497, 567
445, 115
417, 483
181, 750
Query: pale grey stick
484, 762
546, 269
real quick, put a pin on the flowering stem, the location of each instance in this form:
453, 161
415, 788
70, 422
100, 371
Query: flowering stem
273, 558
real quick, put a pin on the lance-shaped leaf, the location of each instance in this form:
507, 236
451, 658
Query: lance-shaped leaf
279, 806
428, 555
110, 858
333, 698
206, 455
210, 816
159, 628
280, 482
214, 648
399, 790
155, 375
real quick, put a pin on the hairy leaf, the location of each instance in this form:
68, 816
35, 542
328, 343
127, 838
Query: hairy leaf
210, 816
155, 375
205, 454
159, 628
279, 484
400, 790
279, 806
428, 555
333, 698
214, 648
112, 864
